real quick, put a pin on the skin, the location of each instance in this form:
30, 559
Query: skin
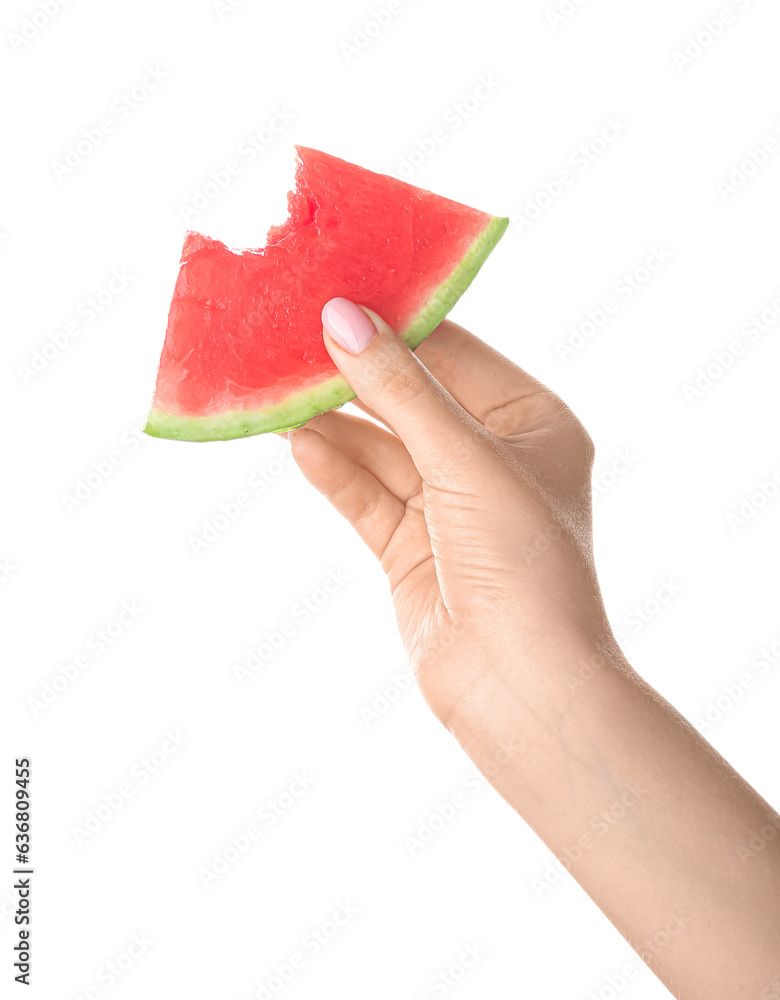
476, 498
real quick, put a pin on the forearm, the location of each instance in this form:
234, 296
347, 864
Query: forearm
648, 818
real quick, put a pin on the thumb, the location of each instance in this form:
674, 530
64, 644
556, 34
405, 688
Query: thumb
385, 375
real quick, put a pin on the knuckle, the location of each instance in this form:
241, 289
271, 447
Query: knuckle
588, 449
517, 413
366, 507
580, 442
351, 496
505, 419
344, 490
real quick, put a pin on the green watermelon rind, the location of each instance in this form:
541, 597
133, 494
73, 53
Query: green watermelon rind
299, 407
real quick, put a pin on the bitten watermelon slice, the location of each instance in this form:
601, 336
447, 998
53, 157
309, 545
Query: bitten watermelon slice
243, 352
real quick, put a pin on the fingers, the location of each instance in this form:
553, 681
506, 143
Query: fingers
376, 450
372, 510
493, 389
387, 377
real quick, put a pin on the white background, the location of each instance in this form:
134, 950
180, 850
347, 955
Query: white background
662, 513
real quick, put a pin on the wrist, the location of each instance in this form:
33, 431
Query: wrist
523, 711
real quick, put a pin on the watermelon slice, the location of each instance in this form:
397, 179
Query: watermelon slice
243, 352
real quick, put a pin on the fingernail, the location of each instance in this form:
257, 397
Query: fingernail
348, 325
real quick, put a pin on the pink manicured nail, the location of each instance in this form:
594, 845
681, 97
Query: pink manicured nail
348, 325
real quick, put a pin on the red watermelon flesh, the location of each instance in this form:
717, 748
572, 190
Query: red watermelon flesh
243, 352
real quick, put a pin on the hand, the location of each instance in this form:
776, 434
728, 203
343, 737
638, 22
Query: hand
477, 500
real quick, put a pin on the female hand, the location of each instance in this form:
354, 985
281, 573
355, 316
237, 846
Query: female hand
477, 502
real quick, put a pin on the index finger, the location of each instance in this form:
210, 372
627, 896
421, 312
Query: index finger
497, 392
